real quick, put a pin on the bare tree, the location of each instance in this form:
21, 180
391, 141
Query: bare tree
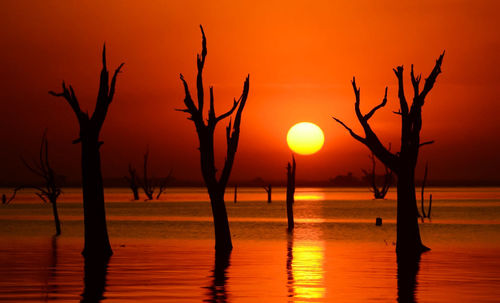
132, 181
51, 189
269, 190
290, 191
378, 193
402, 163
96, 233
147, 183
163, 184
216, 186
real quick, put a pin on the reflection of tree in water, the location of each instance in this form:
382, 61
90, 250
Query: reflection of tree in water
95, 272
217, 290
50, 287
408, 267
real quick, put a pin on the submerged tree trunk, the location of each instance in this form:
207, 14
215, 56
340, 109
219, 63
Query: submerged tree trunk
56, 217
290, 192
205, 128
221, 224
403, 162
96, 233
408, 234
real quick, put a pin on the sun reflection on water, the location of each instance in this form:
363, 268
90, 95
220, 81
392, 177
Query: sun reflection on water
305, 270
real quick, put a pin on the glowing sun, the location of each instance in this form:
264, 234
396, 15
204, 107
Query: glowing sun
305, 138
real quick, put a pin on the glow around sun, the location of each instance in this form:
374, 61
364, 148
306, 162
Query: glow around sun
305, 138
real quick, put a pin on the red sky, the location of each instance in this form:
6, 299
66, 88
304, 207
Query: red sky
300, 56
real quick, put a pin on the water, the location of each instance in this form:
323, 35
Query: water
163, 250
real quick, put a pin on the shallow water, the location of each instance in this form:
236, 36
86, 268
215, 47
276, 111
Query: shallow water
163, 250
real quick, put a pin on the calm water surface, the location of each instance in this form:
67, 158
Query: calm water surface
163, 250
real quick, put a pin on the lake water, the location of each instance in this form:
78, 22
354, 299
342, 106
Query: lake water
163, 250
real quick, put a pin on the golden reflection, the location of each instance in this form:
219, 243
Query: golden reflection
316, 196
305, 270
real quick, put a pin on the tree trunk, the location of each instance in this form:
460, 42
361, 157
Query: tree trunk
96, 233
56, 217
223, 241
408, 234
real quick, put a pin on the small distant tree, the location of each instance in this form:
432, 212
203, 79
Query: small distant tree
147, 184
164, 182
132, 181
378, 193
216, 186
50, 191
94, 216
402, 163
290, 192
269, 190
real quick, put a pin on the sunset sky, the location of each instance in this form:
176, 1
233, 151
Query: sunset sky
301, 56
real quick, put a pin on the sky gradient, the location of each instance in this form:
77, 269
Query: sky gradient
300, 56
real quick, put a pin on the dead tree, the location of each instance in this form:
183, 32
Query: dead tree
163, 184
132, 181
147, 183
96, 233
424, 182
290, 191
268, 190
402, 163
51, 188
378, 193
216, 187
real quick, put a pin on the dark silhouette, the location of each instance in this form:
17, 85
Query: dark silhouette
217, 290
428, 214
290, 191
96, 233
216, 187
132, 181
95, 272
147, 184
346, 180
402, 163
408, 267
269, 190
50, 191
4, 199
50, 288
378, 193
163, 184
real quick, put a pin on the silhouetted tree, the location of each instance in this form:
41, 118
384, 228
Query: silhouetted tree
147, 183
132, 181
216, 187
424, 214
96, 233
290, 191
51, 189
402, 163
163, 184
378, 193
268, 190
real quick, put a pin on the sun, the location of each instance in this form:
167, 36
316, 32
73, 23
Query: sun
305, 138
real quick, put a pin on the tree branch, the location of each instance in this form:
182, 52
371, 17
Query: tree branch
384, 102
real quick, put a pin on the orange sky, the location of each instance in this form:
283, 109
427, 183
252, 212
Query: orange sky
300, 56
